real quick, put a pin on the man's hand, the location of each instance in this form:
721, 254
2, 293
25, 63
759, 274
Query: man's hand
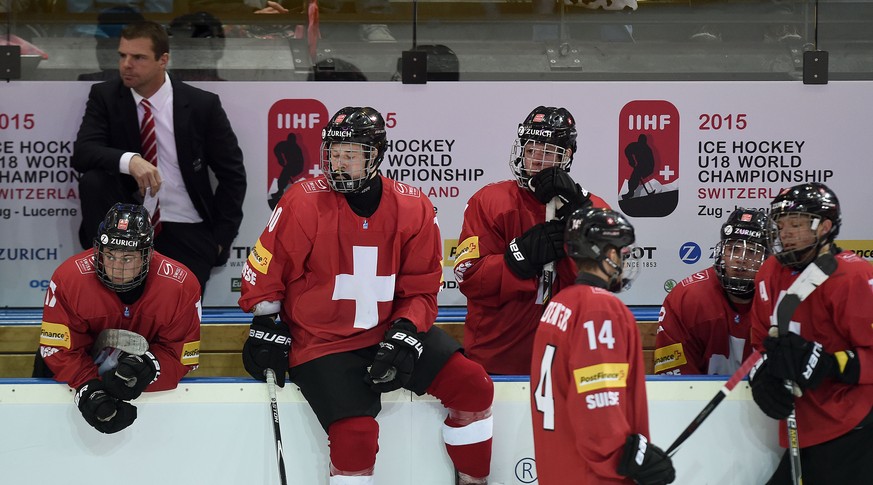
102, 411
541, 244
146, 175
555, 182
272, 7
396, 357
267, 348
770, 392
131, 376
645, 463
796, 359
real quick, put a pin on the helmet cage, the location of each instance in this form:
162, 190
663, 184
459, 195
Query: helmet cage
123, 247
363, 129
529, 157
794, 239
737, 261
338, 160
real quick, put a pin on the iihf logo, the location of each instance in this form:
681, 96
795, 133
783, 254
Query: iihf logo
648, 158
293, 143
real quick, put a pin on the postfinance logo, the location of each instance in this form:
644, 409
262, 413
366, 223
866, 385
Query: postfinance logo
54, 335
600, 376
862, 247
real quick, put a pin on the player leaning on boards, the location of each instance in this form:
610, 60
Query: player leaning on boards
508, 242
351, 263
97, 298
705, 320
829, 351
588, 385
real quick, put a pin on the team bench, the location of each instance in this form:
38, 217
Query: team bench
222, 335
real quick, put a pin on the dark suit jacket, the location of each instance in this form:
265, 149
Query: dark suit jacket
204, 138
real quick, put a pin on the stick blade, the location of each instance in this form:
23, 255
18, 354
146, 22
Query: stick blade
121, 339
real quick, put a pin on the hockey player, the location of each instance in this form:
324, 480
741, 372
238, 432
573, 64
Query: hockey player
350, 262
121, 284
828, 352
506, 242
588, 389
705, 321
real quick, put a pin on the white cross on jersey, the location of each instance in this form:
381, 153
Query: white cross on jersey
364, 286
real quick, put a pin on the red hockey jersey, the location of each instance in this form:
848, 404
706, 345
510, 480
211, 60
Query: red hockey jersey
839, 315
78, 307
588, 389
700, 331
502, 309
342, 278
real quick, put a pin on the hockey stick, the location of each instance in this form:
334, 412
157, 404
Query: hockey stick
738, 375
277, 429
111, 342
121, 339
810, 278
549, 268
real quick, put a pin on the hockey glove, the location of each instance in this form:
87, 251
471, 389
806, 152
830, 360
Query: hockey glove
541, 244
392, 367
131, 376
102, 411
267, 348
769, 392
555, 182
796, 359
645, 463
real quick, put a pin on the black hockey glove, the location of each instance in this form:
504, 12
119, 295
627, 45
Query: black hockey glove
555, 182
794, 358
399, 350
770, 392
267, 348
645, 463
102, 411
541, 244
131, 376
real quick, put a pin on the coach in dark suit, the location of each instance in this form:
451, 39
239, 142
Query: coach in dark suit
194, 137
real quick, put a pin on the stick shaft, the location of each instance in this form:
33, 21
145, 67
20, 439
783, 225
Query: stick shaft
277, 429
809, 279
732, 382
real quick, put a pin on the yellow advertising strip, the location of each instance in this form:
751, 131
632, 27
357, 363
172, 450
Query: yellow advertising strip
600, 376
191, 353
669, 357
260, 258
468, 249
861, 247
54, 335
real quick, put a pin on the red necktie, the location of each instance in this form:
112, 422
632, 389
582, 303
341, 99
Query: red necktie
150, 152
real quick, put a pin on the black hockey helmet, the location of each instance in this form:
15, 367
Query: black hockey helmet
553, 127
361, 130
123, 247
592, 232
814, 202
741, 251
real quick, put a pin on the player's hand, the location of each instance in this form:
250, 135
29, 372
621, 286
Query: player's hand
395, 360
272, 7
770, 392
645, 463
102, 411
796, 359
267, 348
541, 244
131, 376
146, 175
555, 182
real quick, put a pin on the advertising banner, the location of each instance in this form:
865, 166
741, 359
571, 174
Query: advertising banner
676, 157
